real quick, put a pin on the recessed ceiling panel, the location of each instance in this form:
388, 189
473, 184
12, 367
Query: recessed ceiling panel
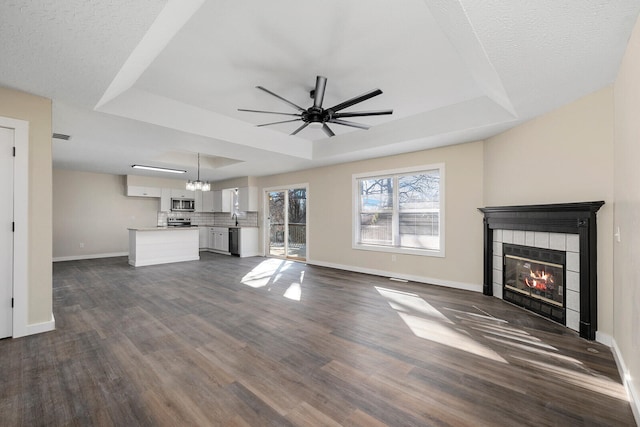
229, 47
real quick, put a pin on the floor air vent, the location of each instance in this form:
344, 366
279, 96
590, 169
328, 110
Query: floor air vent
61, 136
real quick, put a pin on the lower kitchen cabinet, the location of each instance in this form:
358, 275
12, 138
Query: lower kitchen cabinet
219, 239
204, 237
249, 242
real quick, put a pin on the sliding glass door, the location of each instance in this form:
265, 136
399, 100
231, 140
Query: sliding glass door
287, 223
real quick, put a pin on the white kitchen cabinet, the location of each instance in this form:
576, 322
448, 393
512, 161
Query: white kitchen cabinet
138, 191
182, 194
249, 242
217, 200
165, 200
198, 201
222, 200
207, 201
219, 239
248, 199
203, 237
212, 237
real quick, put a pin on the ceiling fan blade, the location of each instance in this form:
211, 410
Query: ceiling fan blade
348, 123
299, 108
363, 113
304, 125
327, 130
277, 123
318, 95
269, 112
357, 99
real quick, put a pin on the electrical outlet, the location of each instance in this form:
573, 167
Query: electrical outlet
82, 245
393, 258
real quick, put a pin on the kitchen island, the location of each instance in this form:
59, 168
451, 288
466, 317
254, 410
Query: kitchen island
161, 245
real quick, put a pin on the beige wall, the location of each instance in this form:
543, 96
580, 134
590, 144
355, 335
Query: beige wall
92, 209
330, 216
626, 294
563, 156
37, 111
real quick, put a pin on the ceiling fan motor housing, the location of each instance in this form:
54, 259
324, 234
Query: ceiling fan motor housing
317, 114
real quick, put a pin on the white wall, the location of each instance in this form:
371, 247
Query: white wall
626, 295
91, 210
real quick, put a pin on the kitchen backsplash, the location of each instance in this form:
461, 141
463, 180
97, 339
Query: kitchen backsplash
223, 219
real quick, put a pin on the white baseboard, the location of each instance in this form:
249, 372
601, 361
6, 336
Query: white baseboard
91, 256
629, 386
605, 339
37, 328
420, 279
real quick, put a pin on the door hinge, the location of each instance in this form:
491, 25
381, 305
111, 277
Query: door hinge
14, 151
13, 227
11, 302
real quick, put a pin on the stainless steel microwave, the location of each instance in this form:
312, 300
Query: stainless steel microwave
183, 205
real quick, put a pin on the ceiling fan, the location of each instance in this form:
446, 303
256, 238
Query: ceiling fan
317, 114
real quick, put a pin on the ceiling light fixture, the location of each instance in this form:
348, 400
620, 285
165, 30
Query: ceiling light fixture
157, 169
197, 184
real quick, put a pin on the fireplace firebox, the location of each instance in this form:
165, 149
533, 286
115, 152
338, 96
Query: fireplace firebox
534, 279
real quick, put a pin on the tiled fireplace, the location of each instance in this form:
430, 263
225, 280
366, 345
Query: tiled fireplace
543, 258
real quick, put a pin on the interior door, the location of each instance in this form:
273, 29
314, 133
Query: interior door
6, 232
287, 223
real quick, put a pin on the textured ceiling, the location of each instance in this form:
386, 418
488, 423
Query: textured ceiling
155, 82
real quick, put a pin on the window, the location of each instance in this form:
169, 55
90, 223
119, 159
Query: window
400, 211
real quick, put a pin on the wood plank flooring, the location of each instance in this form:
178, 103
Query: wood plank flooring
225, 341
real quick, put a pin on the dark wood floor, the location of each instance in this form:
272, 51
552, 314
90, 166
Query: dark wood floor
224, 341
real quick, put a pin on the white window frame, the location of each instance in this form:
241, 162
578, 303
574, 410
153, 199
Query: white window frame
397, 249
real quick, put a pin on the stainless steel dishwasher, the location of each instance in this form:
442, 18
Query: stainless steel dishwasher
234, 241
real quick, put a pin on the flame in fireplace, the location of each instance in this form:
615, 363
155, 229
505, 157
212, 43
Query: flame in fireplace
539, 279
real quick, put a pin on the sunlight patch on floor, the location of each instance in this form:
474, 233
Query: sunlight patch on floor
598, 384
536, 350
264, 273
294, 291
425, 321
408, 302
525, 339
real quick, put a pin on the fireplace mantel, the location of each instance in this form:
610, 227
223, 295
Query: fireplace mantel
571, 218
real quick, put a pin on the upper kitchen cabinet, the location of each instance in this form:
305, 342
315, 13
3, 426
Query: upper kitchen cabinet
182, 194
198, 201
165, 200
207, 202
138, 191
222, 200
248, 199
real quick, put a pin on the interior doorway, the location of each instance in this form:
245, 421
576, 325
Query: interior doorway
6, 231
287, 222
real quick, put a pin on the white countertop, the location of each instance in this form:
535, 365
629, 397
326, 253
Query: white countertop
193, 227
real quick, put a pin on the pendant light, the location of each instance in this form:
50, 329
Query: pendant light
197, 184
